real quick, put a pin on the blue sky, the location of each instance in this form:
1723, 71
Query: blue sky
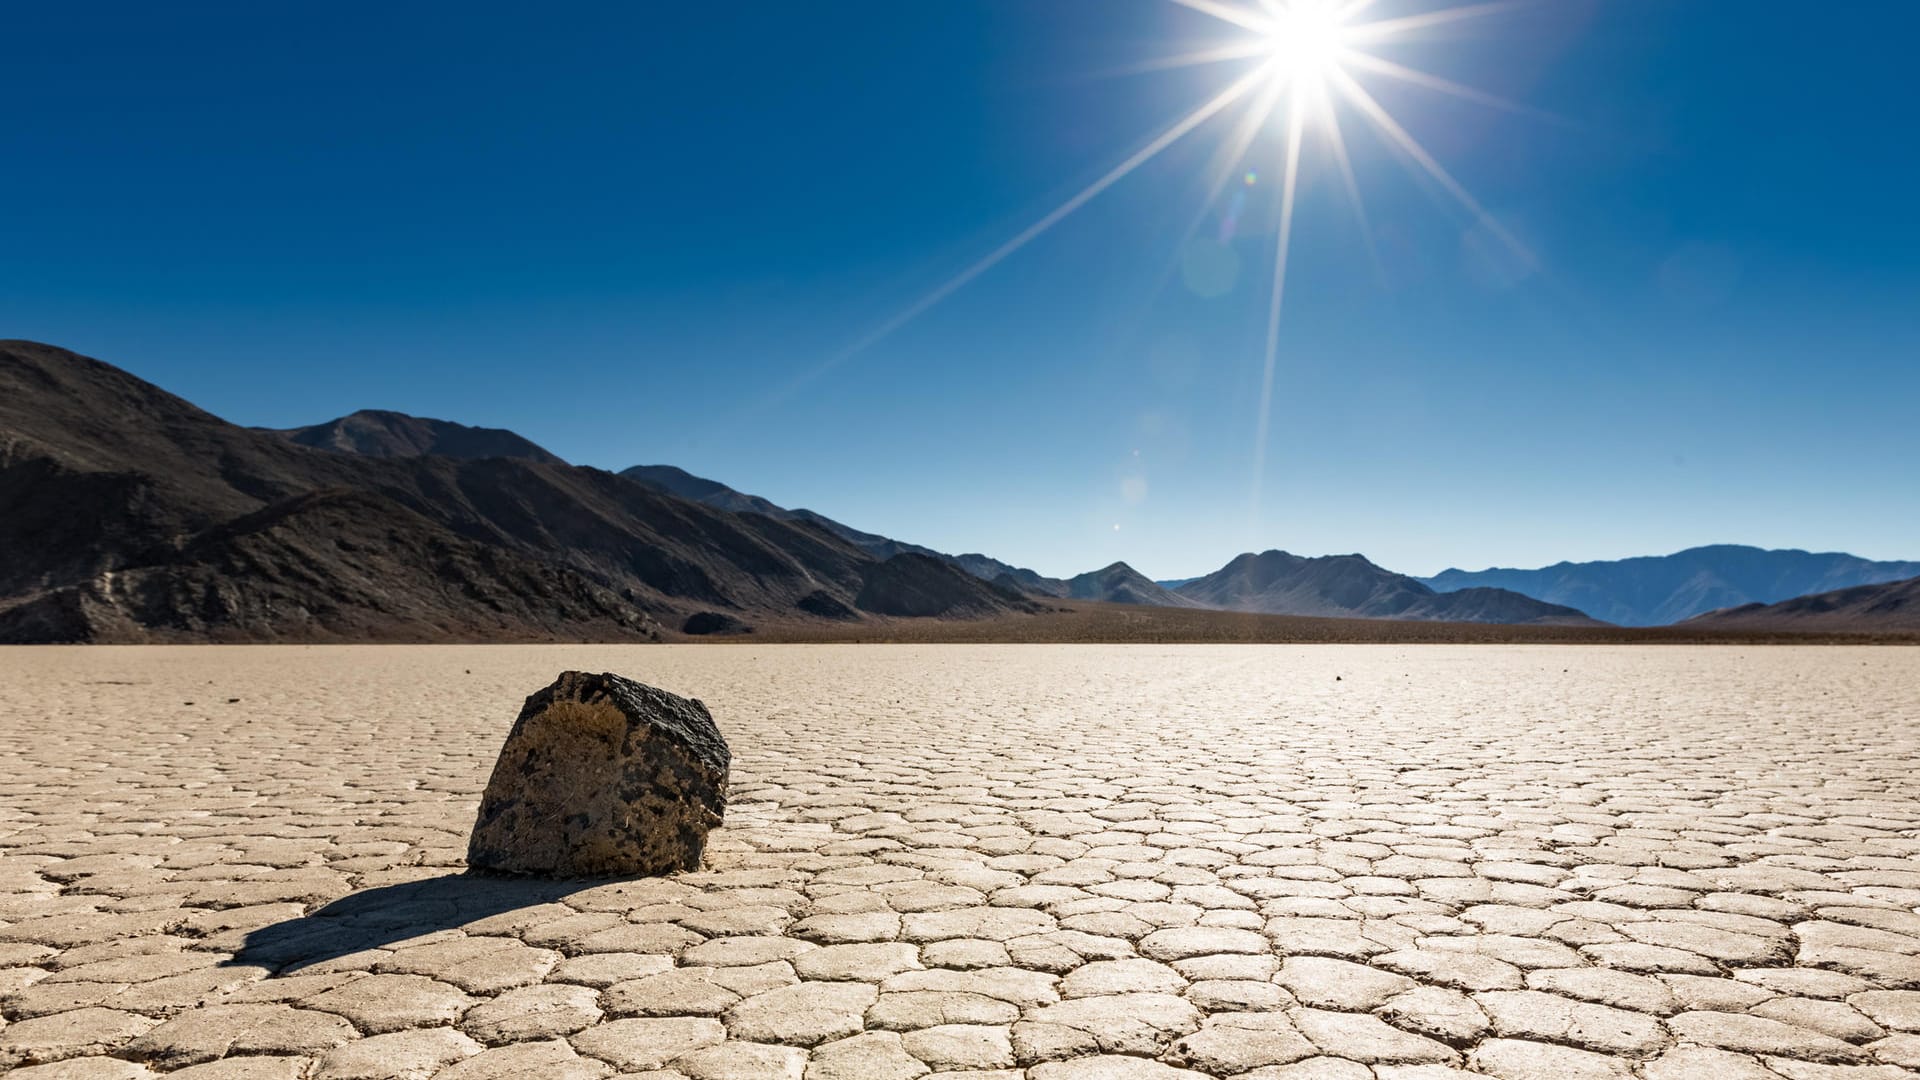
640, 233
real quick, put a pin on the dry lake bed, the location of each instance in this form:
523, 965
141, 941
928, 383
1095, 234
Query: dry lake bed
1050, 863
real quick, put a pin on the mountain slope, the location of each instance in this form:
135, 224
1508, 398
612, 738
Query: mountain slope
1348, 586
1010, 576
380, 433
330, 565
1122, 584
133, 515
1657, 590
1890, 606
678, 481
1116, 584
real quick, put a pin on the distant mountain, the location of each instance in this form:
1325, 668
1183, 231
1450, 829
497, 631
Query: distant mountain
1892, 606
132, 515
1122, 584
1174, 583
1348, 586
1657, 590
380, 433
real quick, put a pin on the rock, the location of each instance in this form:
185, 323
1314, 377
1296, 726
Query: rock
706, 623
602, 776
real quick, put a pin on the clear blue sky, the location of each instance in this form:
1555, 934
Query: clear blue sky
628, 231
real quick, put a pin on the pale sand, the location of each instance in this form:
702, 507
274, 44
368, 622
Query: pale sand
1076, 861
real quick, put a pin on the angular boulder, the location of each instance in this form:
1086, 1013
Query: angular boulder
602, 777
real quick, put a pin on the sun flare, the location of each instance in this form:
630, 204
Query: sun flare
1311, 56
1305, 64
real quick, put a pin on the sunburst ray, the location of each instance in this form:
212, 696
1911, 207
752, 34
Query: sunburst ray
1316, 42
1289, 190
1152, 149
1227, 13
1398, 135
1384, 29
1368, 62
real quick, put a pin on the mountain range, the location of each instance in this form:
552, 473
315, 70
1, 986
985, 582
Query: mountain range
132, 515
1276, 582
1273, 583
1663, 589
1116, 584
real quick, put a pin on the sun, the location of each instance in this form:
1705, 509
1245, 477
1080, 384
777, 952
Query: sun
1307, 41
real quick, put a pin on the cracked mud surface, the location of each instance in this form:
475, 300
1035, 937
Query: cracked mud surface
999, 863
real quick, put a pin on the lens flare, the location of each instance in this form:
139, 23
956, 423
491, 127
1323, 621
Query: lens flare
1314, 52
1307, 59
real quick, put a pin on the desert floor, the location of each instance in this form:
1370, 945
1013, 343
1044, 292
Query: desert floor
1061, 863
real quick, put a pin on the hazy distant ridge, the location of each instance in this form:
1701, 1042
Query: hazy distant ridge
1349, 586
1663, 589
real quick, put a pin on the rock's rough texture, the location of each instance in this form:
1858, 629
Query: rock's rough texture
602, 776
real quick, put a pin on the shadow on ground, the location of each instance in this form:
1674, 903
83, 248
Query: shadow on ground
376, 918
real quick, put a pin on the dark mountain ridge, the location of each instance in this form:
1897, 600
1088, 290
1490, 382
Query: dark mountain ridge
1888, 606
1116, 584
1349, 586
1662, 589
134, 515
382, 433
677, 481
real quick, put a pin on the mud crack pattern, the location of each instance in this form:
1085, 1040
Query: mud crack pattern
993, 863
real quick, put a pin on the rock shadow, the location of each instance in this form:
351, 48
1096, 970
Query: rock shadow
376, 918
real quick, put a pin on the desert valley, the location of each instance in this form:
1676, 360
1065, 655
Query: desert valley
1472, 832
979, 540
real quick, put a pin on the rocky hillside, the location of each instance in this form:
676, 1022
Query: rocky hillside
135, 516
1348, 586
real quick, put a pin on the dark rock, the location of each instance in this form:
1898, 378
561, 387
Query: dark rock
602, 776
706, 623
